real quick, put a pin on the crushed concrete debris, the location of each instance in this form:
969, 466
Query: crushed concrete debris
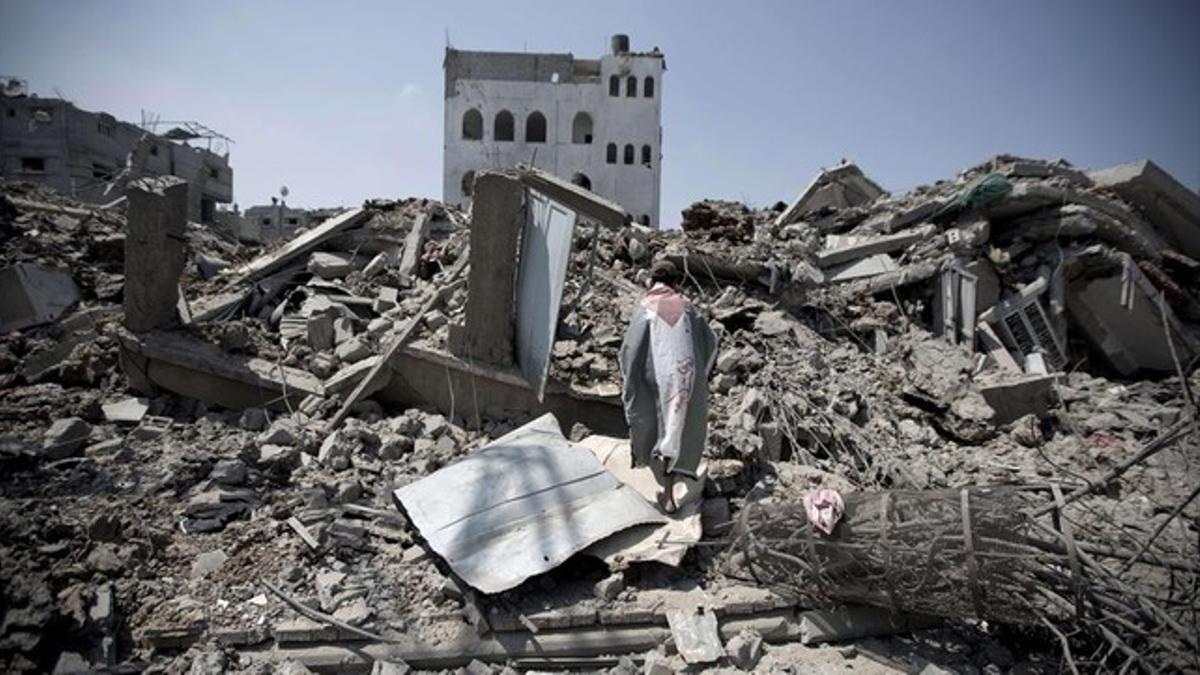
1023, 323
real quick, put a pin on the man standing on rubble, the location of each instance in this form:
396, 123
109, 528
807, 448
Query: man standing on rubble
665, 359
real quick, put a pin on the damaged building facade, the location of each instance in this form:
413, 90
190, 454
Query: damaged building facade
594, 122
92, 155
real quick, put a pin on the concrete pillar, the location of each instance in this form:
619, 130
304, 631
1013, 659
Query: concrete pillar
155, 242
497, 218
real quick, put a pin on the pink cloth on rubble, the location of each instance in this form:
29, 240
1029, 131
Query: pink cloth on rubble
824, 509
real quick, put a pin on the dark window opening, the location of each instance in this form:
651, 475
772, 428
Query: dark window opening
208, 209
468, 183
645, 220
535, 128
611, 153
648, 87
614, 86
214, 173
631, 86
12, 112
154, 150
33, 164
293, 221
472, 125
629, 154
646, 155
582, 181
104, 129
503, 126
101, 172
266, 221
581, 128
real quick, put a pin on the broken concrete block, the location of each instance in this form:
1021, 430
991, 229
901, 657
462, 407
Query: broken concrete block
208, 563
129, 411
696, 635
65, 438
229, 472
253, 419
1015, 398
330, 265
842, 186
72, 663
867, 267
868, 246
352, 351
390, 668
387, 299
155, 242
376, 267
745, 649
282, 432
610, 587
32, 294
379, 327
319, 328
151, 427
343, 330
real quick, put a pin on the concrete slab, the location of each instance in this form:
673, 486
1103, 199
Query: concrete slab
1171, 207
1123, 316
842, 186
869, 246
867, 267
545, 253
32, 294
1015, 398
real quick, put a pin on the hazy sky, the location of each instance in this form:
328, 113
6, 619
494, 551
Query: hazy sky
342, 101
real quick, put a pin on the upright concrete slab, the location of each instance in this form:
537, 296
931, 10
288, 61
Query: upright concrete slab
497, 218
1171, 207
413, 243
155, 252
31, 294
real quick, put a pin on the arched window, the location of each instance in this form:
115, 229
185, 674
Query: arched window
611, 153
631, 86
646, 155
502, 130
535, 128
645, 220
582, 181
648, 87
581, 128
468, 183
472, 125
614, 85
629, 154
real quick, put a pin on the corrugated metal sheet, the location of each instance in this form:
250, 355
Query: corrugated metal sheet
521, 506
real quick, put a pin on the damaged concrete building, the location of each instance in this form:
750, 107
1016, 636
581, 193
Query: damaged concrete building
92, 155
395, 441
594, 122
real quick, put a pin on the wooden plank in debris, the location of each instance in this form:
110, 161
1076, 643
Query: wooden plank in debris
299, 528
270, 262
192, 367
581, 200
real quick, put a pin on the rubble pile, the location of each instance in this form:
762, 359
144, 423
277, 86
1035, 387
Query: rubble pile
219, 493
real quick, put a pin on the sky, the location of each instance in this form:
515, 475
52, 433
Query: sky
342, 101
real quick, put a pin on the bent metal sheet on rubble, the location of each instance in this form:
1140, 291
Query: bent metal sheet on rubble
521, 506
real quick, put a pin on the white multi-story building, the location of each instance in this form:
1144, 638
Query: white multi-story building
595, 122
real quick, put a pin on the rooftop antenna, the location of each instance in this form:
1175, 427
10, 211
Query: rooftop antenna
448, 45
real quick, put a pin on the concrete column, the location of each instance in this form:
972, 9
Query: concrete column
497, 218
155, 242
